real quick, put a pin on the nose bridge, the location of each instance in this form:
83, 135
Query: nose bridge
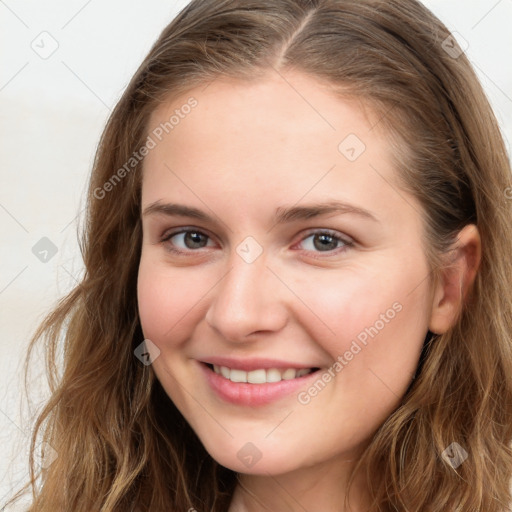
245, 300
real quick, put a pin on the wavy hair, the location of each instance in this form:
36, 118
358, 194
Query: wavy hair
122, 444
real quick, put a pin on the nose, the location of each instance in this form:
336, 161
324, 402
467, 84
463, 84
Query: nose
247, 301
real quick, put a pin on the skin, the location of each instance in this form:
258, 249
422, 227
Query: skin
245, 150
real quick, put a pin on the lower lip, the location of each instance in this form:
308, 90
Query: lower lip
242, 393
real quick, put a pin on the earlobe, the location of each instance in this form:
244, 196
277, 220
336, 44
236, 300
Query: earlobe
456, 280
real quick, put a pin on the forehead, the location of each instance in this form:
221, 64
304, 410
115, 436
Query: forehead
284, 137
276, 104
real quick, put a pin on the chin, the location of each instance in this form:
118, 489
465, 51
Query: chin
247, 458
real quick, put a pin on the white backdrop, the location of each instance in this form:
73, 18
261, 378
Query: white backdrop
64, 65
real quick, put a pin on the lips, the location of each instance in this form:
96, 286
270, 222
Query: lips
252, 385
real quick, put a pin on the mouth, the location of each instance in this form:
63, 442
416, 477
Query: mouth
260, 375
258, 386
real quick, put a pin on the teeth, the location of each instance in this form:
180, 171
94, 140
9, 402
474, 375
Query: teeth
273, 375
238, 376
256, 376
289, 374
260, 376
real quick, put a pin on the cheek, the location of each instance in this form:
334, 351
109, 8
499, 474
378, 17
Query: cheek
379, 327
151, 302
372, 324
164, 300
358, 302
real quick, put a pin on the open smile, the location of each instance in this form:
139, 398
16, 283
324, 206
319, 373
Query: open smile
255, 387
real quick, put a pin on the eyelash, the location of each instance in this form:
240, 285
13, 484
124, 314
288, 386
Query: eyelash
333, 234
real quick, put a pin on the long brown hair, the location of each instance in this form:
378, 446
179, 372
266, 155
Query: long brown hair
122, 444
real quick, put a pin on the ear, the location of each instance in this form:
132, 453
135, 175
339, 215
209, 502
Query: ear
456, 279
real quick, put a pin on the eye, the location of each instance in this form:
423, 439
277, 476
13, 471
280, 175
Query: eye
325, 241
186, 239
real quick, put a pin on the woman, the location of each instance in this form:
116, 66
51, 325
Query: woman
297, 275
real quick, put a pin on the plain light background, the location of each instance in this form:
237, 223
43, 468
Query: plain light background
64, 66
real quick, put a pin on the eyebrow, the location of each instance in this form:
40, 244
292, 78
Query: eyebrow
282, 214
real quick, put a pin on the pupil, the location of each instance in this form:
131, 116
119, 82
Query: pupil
324, 238
194, 238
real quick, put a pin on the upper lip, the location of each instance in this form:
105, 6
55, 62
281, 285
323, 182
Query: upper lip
255, 363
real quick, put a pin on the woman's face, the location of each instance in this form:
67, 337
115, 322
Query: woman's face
296, 251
